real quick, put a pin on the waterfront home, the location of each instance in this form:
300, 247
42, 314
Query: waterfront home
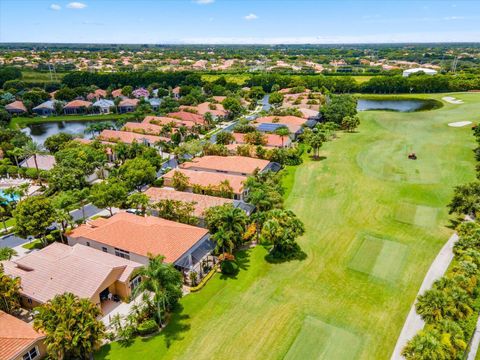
163, 120
128, 137
104, 105
15, 108
88, 272
19, 341
127, 105
200, 202
46, 108
205, 182
77, 107
232, 165
137, 238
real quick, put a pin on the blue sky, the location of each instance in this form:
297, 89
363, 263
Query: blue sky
238, 21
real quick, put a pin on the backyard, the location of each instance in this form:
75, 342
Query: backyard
374, 221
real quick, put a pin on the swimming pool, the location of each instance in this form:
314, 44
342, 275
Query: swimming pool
9, 198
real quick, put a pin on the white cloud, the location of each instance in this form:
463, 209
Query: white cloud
448, 18
250, 16
55, 7
76, 5
204, 2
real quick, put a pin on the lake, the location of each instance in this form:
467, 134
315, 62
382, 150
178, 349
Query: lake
407, 105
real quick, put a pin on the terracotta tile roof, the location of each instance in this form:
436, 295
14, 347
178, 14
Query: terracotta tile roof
44, 162
230, 164
129, 102
286, 120
143, 235
60, 268
201, 202
16, 336
108, 149
273, 140
219, 110
97, 94
207, 178
78, 103
142, 128
163, 120
187, 116
219, 99
128, 137
117, 93
16, 105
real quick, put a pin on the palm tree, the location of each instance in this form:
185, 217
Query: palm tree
426, 345
7, 253
234, 221
223, 241
164, 281
63, 217
32, 149
282, 132
16, 153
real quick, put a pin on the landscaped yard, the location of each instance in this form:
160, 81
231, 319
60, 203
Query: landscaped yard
374, 223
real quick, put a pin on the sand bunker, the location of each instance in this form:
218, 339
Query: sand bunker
460, 123
452, 100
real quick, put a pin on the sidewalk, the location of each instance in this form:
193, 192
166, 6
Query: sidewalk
414, 322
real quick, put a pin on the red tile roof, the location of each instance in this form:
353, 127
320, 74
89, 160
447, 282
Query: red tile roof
204, 108
142, 235
163, 120
201, 202
78, 103
16, 105
128, 137
129, 102
16, 336
207, 178
273, 140
99, 93
145, 128
230, 164
188, 116
117, 93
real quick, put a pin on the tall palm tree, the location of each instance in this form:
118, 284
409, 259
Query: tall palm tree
164, 281
223, 241
32, 149
16, 153
282, 132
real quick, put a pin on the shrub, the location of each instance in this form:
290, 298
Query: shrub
158, 182
229, 267
147, 327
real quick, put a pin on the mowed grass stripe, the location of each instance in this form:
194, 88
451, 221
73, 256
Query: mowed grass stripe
390, 261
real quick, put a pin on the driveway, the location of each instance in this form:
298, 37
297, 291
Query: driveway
11, 241
89, 210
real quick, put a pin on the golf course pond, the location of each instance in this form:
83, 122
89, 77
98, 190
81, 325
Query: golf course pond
397, 104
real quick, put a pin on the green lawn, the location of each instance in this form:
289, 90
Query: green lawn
367, 255
37, 76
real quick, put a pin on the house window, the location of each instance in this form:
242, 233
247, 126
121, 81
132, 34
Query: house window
134, 283
88, 243
31, 354
122, 253
104, 249
29, 300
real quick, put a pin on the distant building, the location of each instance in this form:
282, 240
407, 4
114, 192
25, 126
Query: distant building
155, 103
76, 107
409, 72
127, 105
46, 108
16, 108
104, 105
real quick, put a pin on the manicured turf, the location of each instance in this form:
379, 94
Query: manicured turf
261, 314
37, 76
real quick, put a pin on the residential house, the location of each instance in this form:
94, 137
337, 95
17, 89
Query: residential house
232, 165
271, 140
76, 107
142, 128
271, 123
137, 238
97, 95
129, 137
46, 108
163, 120
207, 180
15, 108
88, 272
127, 105
19, 341
188, 116
44, 162
216, 110
200, 202
104, 105
176, 92
117, 93
155, 103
